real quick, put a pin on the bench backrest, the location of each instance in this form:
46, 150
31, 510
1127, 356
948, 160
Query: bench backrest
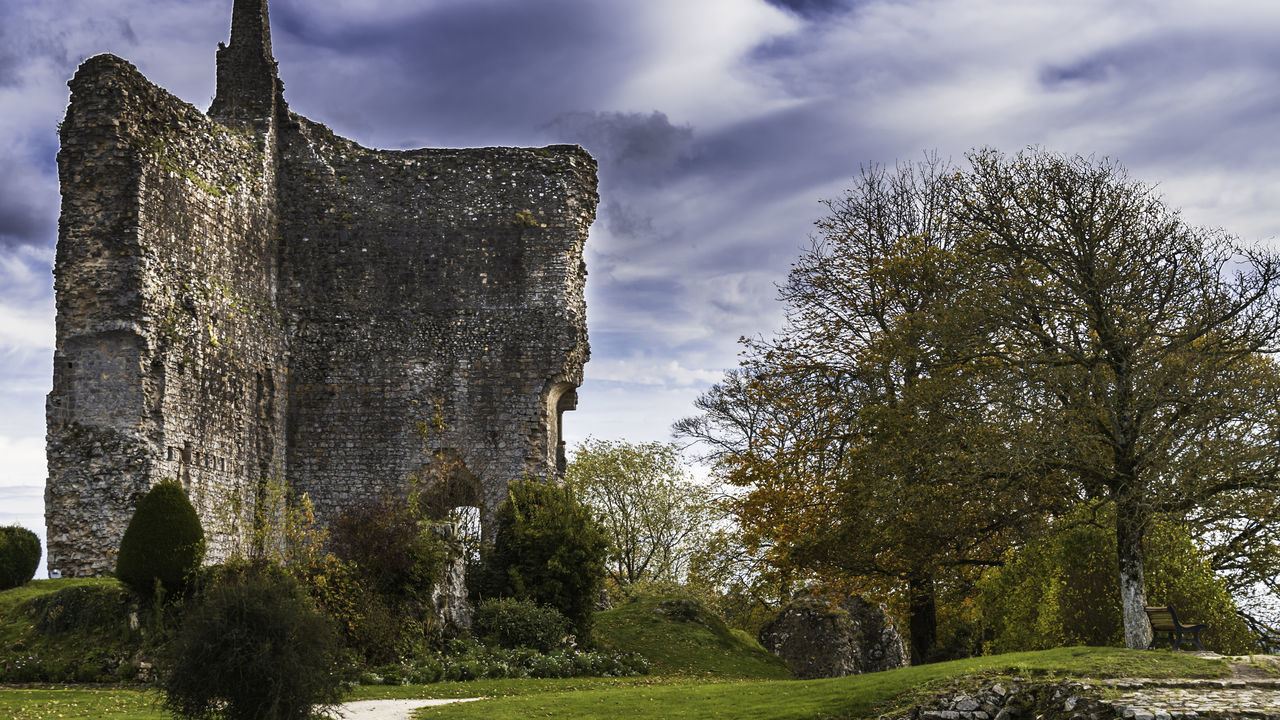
1162, 618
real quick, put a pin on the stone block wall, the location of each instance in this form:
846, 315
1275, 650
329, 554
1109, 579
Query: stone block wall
434, 299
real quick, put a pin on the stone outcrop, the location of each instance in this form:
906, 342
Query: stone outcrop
821, 637
246, 297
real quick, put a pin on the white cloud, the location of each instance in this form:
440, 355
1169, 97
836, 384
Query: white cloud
691, 67
651, 371
26, 303
22, 462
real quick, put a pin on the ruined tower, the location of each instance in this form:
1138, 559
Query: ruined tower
245, 296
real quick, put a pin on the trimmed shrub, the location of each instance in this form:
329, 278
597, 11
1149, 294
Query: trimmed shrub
163, 543
514, 623
253, 647
549, 549
1064, 589
19, 556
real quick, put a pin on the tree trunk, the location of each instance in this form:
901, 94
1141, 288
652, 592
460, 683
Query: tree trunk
923, 622
1131, 520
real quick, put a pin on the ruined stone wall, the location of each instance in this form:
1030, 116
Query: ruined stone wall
435, 304
251, 298
169, 357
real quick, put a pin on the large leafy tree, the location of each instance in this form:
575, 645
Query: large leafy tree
864, 432
652, 510
1142, 343
969, 353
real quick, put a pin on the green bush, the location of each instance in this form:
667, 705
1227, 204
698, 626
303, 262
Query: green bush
19, 556
1064, 589
391, 559
253, 647
549, 549
392, 547
513, 623
163, 544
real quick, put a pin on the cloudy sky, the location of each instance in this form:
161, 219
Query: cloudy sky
718, 124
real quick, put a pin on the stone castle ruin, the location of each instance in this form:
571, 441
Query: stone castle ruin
245, 296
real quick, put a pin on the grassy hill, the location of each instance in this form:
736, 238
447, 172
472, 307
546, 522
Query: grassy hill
684, 640
69, 630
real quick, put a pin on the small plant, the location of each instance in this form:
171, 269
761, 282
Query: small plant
19, 556
163, 543
514, 623
525, 218
253, 648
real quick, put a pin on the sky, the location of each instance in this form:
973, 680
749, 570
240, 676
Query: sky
719, 125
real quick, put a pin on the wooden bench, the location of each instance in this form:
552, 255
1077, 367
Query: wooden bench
1165, 620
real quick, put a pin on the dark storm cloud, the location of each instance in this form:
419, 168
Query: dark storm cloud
1208, 94
624, 220
472, 73
812, 8
632, 148
23, 224
1179, 57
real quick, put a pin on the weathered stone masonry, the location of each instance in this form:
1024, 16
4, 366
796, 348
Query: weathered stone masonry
245, 295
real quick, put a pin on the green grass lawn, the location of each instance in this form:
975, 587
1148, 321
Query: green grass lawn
852, 697
72, 703
68, 630
673, 696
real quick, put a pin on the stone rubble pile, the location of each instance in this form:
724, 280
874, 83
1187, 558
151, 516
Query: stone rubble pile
1128, 699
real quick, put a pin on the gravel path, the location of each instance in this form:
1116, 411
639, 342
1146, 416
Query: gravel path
387, 709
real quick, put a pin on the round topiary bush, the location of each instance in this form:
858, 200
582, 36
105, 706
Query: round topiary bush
514, 623
19, 556
253, 648
163, 544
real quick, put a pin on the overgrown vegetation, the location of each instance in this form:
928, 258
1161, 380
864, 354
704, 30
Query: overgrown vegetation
1061, 590
548, 548
467, 660
387, 558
